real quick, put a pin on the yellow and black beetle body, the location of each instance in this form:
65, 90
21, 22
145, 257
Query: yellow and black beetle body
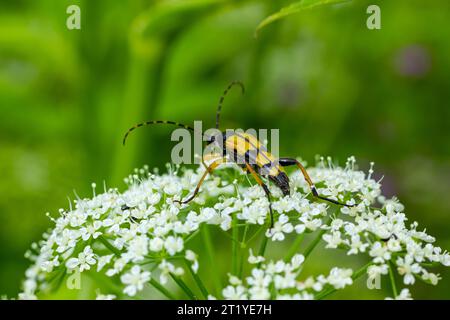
246, 150
249, 153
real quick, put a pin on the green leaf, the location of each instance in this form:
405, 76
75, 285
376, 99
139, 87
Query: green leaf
294, 8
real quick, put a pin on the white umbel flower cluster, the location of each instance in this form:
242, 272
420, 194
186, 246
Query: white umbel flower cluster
279, 280
141, 237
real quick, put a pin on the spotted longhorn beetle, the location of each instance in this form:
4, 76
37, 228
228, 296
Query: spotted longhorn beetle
249, 153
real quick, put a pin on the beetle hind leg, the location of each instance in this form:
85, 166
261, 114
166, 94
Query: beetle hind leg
285, 162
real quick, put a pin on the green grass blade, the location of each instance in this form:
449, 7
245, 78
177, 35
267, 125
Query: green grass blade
294, 8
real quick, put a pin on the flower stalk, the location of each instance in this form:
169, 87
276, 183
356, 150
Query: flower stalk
392, 280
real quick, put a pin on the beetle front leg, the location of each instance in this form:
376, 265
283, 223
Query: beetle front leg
209, 169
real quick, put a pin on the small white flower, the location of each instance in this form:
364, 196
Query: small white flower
339, 278
29, 288
285, 281
404, 295
280, 227
333, 240
27, 296
156, 244
415, 250
394, 245
234, 281
408, 268
191, 256
207, 214
258, 278
137, 249
84, 260
167, 268
374, 271
105, 296
119, 264
336, 224
380, 253
50, 264
445, 259
67, 240
297, 260
135, 280
172, 188
296, 296
300, 228
356, 245
310, 223
276, 267
173, 245
351, 211
234, 293
255, 213
284, 205
91, 231
103, 261
254, 259
430, 277
259, 293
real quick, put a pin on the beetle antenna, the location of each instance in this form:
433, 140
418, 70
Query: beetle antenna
155, 122
219, 107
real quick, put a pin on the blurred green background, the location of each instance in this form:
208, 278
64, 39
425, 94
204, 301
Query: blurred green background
331, 85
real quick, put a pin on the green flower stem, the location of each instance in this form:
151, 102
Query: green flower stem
108, 245
161, 289
183, 286
231, 238
294, 248
392, 278
241, 269
234, 246
243, 246
58, 281
197, 279
55, 275
262, 248
212, 262
326, 292
316, 241
191, 236
241, 224
430, 265
244, 237
255, 234
273, 291
106, 282
313, 244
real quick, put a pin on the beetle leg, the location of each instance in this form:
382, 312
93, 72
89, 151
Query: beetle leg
209, 169
290, 162
210, 158
246, 171
266, 190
